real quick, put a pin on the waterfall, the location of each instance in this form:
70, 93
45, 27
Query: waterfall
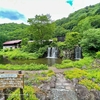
78, 51
52, 52
49, 49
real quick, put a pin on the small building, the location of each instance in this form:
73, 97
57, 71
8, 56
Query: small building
12, 44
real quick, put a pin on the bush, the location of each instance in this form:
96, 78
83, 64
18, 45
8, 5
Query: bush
31, 66
39, 78
28, 94
86, 61
89, 84
18, 54
89, 78
75, 73
98, 54
79, 64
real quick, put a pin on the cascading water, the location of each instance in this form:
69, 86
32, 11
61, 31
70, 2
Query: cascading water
49, 49
78, 54
52, 52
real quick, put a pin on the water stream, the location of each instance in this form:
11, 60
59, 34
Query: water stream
52, 52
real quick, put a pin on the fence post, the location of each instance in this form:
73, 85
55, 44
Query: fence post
21, 90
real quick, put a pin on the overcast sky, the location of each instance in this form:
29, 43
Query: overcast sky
20, 10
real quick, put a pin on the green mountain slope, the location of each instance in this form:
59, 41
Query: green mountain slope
11, 31
81, 20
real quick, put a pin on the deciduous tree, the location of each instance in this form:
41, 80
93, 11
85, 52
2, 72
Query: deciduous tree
41, 27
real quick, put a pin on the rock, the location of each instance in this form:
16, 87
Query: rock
63, 90
84, 67
75, 82
45, 87
96, 94
40, 94
52, 82
82, 92
58, 88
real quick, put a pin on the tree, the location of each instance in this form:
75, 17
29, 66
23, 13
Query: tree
3, 38
60, 31
72, 39
41, 27
91, 40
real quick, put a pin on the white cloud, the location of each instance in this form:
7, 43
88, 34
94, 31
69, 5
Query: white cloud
56, 8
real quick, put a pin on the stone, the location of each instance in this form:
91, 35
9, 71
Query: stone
75, 81
82, 92
96, 94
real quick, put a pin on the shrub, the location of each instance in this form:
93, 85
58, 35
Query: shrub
86, 61
79, 64
93, 74
89, 84
98, 54
28, 94
31, 66
43, 76
75, 73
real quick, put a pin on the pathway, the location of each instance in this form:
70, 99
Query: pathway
63, 89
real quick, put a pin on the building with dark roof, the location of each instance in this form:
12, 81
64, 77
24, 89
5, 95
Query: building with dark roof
12, 44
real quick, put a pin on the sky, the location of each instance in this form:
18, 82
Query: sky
19, 11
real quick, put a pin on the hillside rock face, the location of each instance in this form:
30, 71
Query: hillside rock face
58, 88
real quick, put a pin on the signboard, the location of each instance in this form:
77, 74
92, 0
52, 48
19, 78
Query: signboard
11, 80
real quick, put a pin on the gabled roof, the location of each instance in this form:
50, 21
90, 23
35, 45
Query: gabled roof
12, 42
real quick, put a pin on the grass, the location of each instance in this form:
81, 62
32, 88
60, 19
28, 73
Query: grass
31, 66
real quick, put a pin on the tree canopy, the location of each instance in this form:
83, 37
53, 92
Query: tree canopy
91, 40
41, 27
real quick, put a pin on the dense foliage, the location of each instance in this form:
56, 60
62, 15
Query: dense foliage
86, 22
85, 62
91, 40
41, 27
12, 31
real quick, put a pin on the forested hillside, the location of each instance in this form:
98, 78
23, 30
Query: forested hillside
11, 31
80, 21
81, 27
